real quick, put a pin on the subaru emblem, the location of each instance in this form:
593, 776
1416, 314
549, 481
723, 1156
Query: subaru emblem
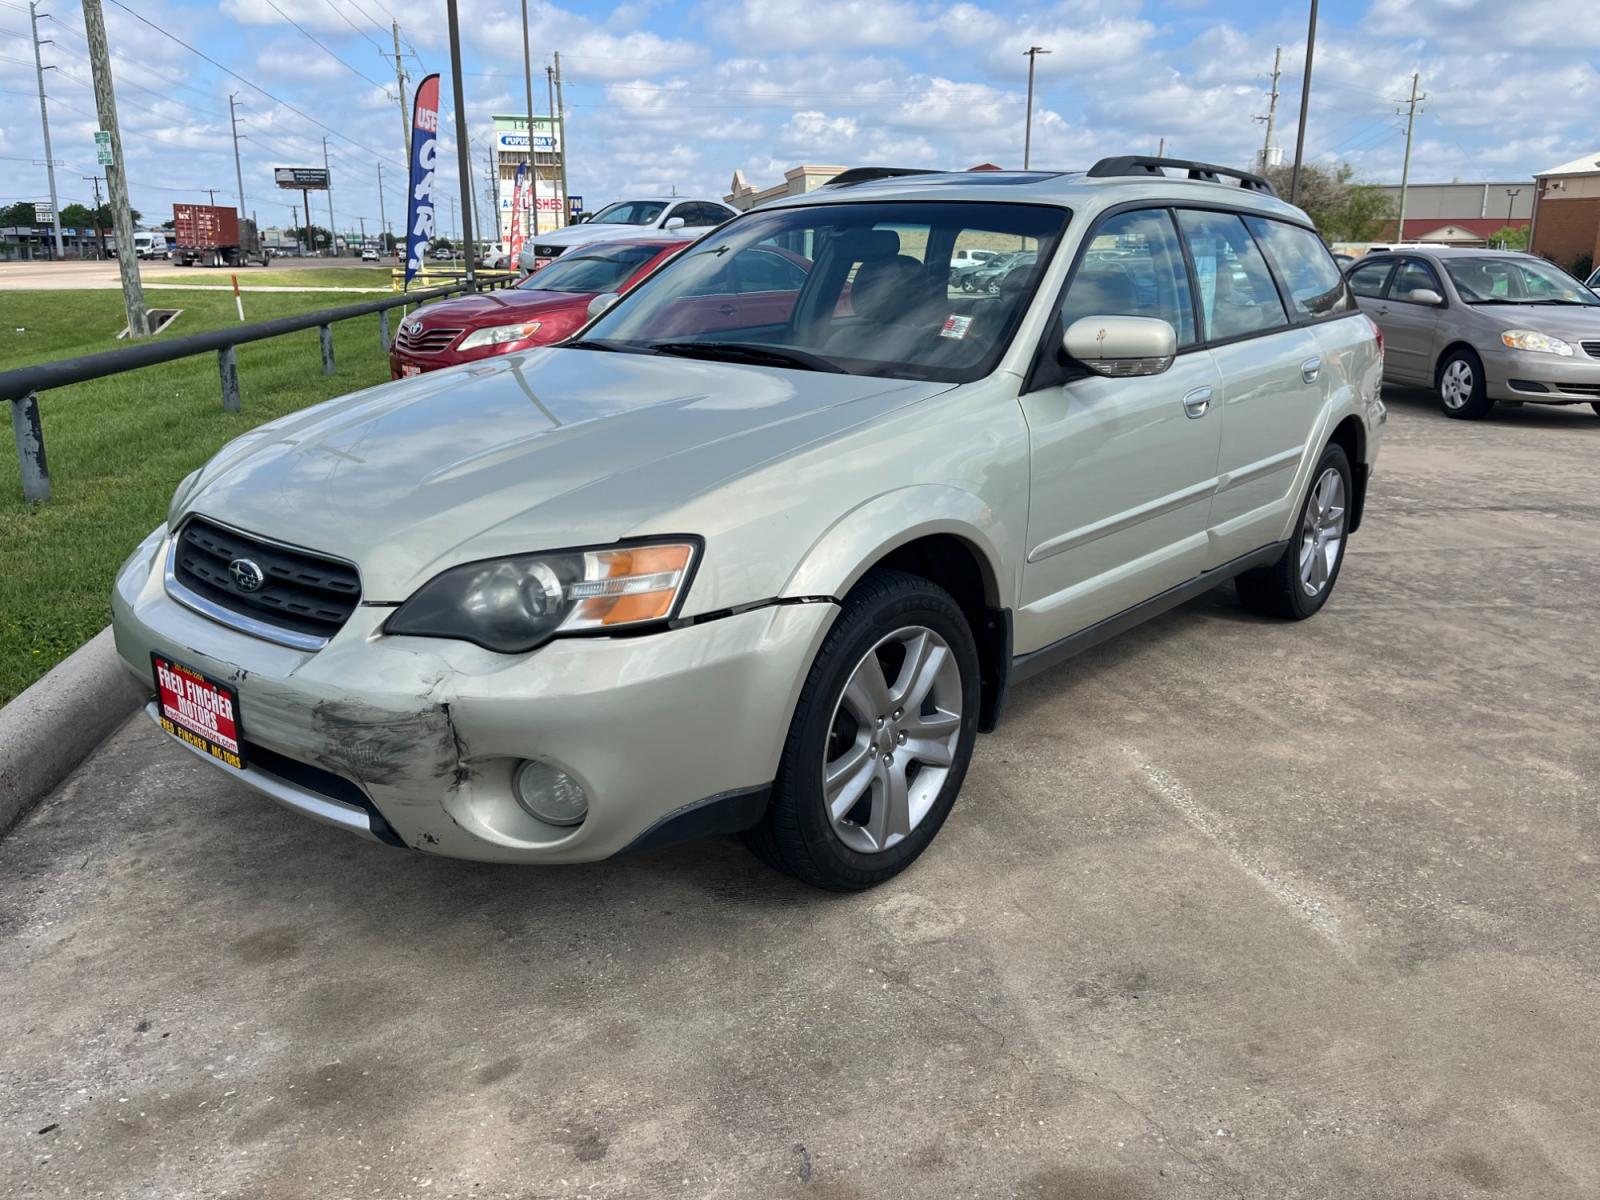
247, 576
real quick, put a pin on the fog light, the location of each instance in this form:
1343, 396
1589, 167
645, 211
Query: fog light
549, 794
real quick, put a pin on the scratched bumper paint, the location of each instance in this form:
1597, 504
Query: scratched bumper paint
432, 730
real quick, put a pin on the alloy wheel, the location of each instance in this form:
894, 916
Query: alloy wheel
892, 739
1322, 532
1456, 384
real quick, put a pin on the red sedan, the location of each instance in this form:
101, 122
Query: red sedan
547, 306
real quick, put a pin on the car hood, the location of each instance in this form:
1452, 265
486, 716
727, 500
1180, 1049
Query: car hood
496, 308
1573, 324
539, 450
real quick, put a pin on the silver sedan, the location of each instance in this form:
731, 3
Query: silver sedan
1482, 326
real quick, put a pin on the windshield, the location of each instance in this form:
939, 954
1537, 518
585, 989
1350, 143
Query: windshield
861, 288
628, 212
1515, 281
598, 269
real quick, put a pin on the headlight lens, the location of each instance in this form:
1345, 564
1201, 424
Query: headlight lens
495, 335
1532, 339
513, 605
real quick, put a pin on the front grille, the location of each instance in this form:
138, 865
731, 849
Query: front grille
1581, 389
424, 341
1591, 348
302, 592
547, 251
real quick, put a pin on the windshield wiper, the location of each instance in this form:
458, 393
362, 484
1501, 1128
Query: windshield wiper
602, 344
1496, 300
1558, 300
766, 356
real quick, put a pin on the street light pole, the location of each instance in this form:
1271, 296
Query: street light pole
238, 171
1511, 203
1305, 104
44, 120
533, 169
1031, 53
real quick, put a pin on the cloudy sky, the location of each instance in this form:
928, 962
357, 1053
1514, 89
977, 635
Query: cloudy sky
680, 93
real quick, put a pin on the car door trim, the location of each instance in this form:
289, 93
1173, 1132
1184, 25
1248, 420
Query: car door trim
1083, 535
1035, 661
1263, 466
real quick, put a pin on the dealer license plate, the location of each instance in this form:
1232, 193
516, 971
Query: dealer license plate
407, 370
199, 711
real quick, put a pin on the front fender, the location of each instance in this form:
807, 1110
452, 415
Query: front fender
850, 547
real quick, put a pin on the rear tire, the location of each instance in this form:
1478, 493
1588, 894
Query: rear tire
1300, 582
1462, 389
860, 792
1596, 407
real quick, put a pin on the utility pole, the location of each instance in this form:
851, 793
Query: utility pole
363, 221
400, 89
561, 146
559, 114
333, 230
44, 120
383, 216
212, 192
463, 159
1405, 168
493, 189
452, 232
238, 171
99, 234
1161, 148
105, 103
1032, 54
1305, 105
533, 169
1272, 109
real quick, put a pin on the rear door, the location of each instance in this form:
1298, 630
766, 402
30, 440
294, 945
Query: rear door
1122, 469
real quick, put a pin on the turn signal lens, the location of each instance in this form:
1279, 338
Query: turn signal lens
625, 586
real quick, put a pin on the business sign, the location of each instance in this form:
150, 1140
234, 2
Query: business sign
102, 147
305, 179
517, 143
44, 214
574, 209
424, 156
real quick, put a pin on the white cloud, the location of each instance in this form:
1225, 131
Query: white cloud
818, 24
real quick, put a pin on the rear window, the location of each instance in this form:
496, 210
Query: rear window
1305, 265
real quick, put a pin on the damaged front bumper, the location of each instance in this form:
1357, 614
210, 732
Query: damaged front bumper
415, 741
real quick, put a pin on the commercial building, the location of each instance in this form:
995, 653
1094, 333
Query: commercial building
797, 181
510, 141
1458, 214
1566, 217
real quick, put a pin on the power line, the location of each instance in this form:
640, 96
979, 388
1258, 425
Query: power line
352, 24
323, 46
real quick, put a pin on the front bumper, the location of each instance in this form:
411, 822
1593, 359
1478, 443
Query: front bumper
1542, 378
429, 732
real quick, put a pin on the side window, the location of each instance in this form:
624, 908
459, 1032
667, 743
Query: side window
700, 216
1305, 265
768, 271
1133, 268
1237, 294
1414, 275
1368, 279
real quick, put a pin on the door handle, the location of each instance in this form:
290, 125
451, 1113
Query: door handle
726, 310
1311, 368
1197, 403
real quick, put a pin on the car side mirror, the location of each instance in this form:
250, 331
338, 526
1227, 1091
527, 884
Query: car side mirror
602, 302
1122, 346
1425, 296
673, 224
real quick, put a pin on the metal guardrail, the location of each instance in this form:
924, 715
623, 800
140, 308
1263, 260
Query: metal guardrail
21, 386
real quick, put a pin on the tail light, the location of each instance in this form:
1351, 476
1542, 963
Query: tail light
1377, 332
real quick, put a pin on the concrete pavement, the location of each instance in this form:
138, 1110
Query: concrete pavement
1229, 908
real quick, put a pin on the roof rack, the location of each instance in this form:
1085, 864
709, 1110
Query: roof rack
1138, 164
857, 175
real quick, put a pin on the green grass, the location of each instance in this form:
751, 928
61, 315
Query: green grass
303, 277
117, 447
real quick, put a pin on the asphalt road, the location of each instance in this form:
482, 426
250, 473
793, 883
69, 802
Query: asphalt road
77, 275
1228, 908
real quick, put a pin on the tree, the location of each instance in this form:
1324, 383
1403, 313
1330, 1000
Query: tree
168, 224
20, 213
1341, 209
319, 236
77, 216
1510, 237
442, 243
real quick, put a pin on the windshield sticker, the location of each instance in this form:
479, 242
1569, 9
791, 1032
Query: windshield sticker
955, 326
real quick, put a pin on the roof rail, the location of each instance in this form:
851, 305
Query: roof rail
1138, 164
857, 175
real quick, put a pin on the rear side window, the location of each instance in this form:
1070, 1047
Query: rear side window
1237, 295
1368, 279
1133, 268
1305, 265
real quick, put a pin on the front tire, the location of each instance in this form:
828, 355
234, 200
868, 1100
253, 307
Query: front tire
1463, 391
1596, 406
1300, 582
880, 739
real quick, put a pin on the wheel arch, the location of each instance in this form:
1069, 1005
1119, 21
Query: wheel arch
1351, 435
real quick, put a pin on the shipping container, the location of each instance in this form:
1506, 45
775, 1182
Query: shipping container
213, 236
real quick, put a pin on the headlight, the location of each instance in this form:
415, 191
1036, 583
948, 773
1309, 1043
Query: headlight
494, 335
181, 496
512, 605
1532, 339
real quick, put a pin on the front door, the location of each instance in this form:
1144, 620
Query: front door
1410, 327
1122, 469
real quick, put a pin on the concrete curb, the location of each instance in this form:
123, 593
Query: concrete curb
56, 723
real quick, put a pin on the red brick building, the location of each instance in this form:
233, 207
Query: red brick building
1566, 213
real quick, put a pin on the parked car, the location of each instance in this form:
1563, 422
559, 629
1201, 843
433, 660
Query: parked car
543, 308
1483, 326
963, 258
963, 277
369, 254
645, 216
444, 254
1593, 283
990, 277
763, 548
